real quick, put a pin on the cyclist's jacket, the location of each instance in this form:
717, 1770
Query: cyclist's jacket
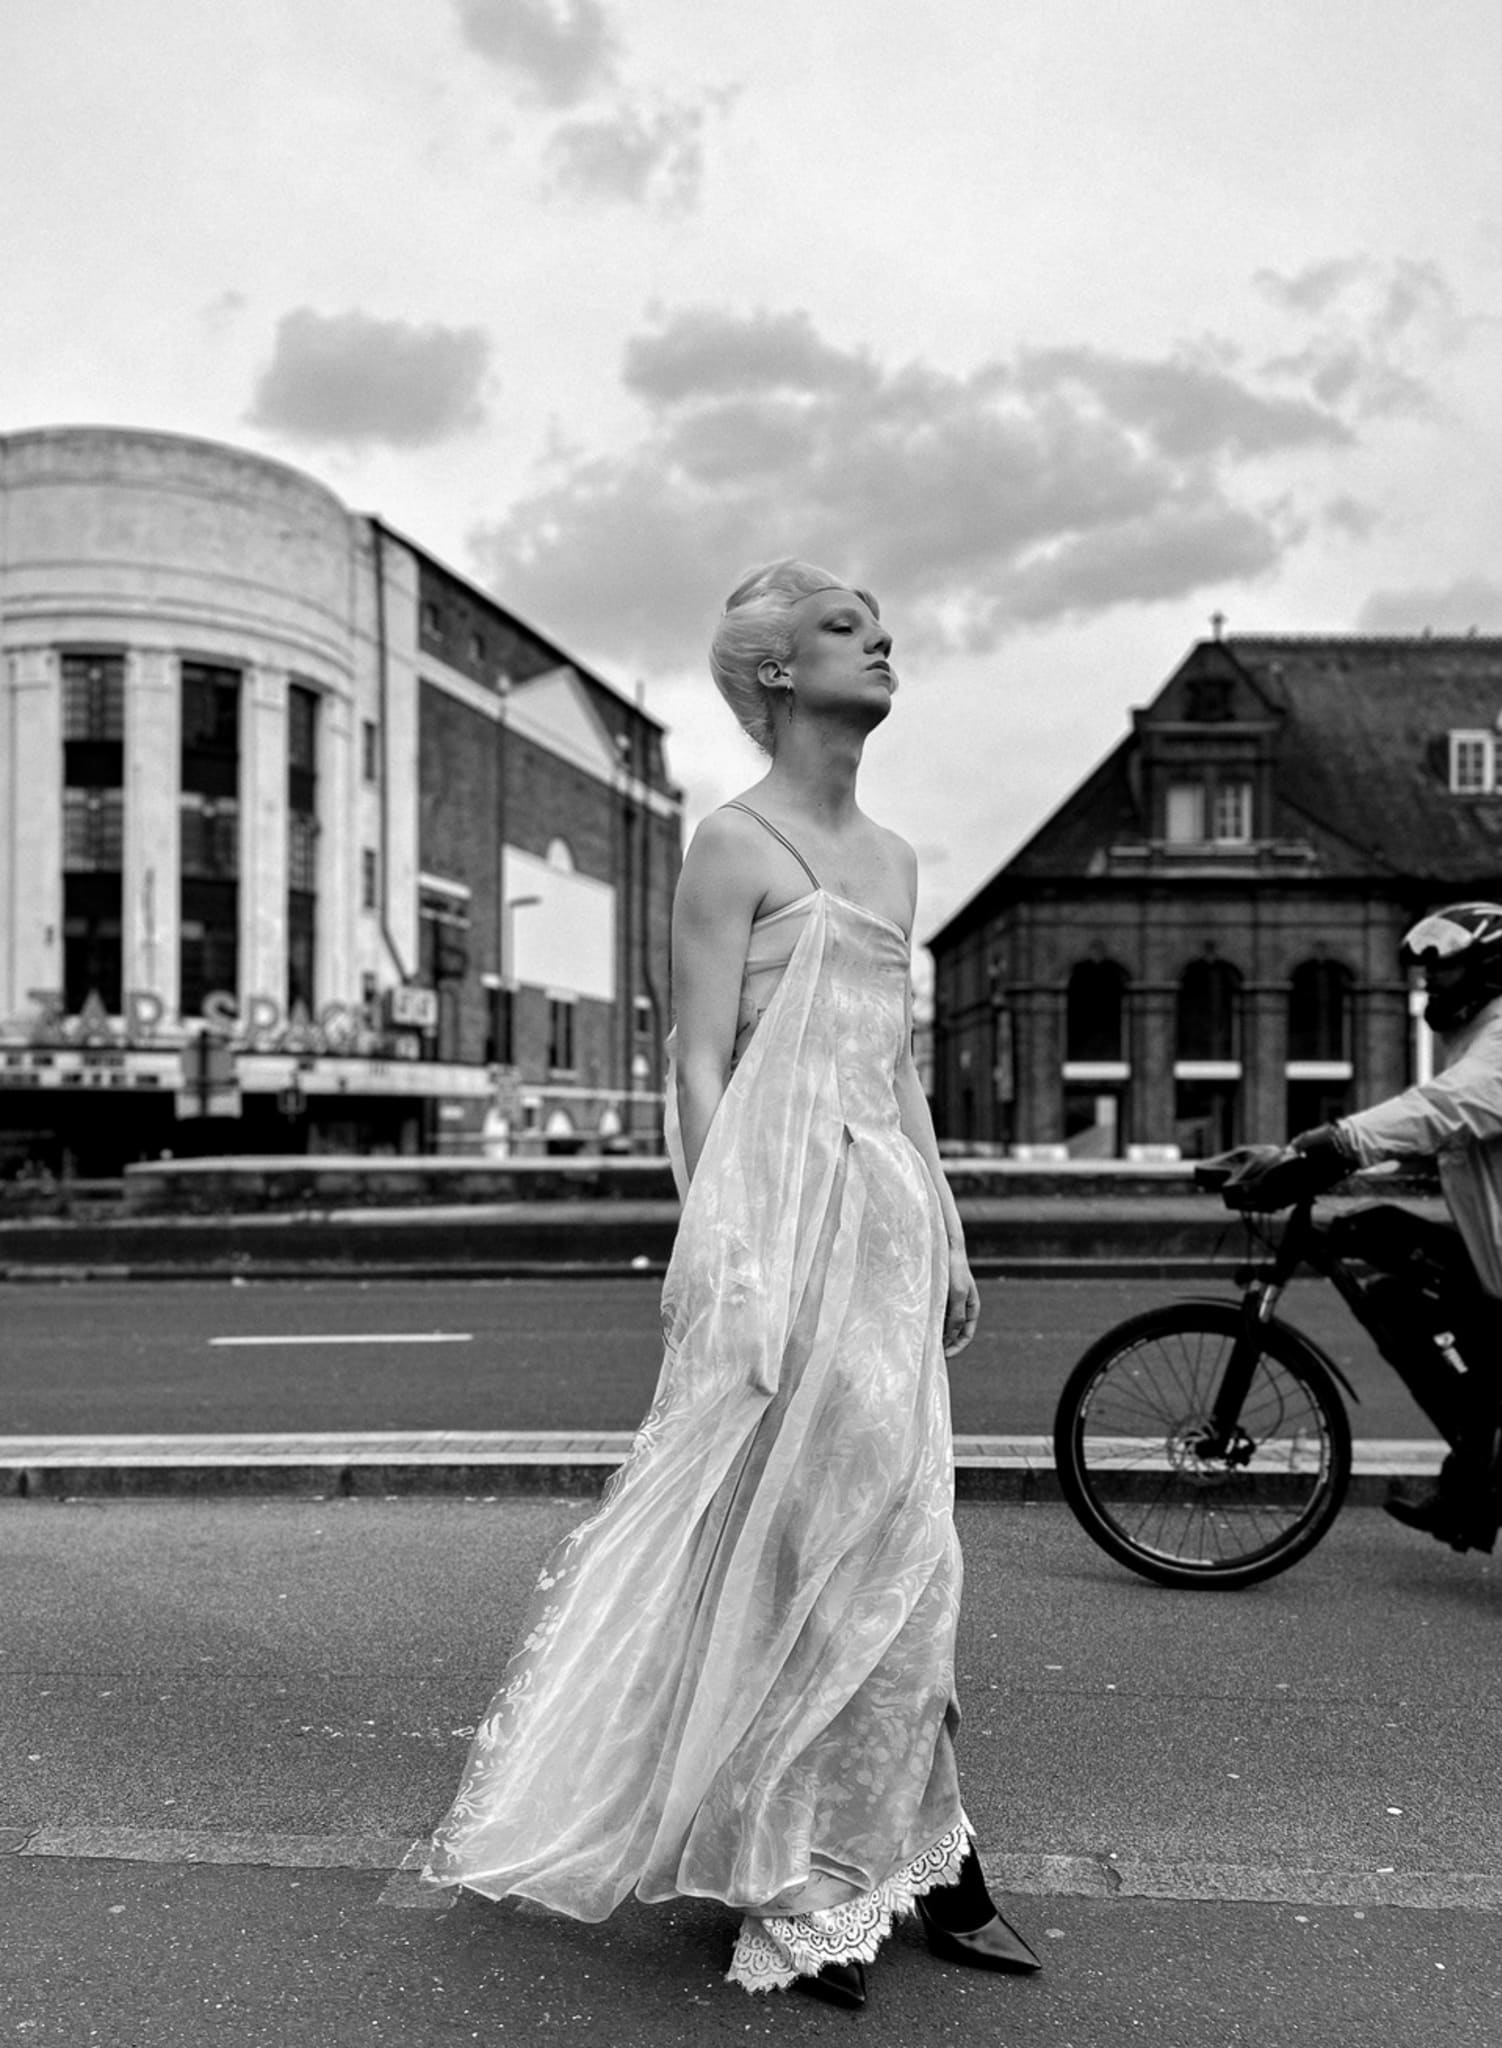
1457, 1116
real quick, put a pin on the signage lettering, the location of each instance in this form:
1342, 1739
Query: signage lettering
260, 1024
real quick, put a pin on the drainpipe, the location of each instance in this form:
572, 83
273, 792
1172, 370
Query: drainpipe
383, 751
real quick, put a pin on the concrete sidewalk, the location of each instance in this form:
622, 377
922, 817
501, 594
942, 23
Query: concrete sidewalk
498, 1464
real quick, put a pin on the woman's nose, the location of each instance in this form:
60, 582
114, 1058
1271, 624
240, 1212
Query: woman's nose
880, 643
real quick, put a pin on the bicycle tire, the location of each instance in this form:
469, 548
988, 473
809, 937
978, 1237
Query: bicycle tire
1125, 1449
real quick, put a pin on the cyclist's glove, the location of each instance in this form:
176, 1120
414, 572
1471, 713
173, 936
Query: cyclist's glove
1305, 1167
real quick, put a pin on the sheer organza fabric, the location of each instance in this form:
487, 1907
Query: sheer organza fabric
737, 1675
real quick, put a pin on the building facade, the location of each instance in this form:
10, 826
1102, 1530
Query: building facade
306, 843
1200, 947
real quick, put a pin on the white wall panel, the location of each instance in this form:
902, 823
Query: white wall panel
564, 941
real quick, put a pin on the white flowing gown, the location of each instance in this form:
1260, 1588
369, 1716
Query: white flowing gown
738, 1674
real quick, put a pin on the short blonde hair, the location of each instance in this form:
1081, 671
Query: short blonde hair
756, 626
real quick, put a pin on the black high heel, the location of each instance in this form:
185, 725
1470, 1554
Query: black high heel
962, 1925
837, 1984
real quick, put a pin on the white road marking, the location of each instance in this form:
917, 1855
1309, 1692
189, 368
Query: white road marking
1037, 1875
362, 1337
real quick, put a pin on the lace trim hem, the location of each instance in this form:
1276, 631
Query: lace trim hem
772, 1952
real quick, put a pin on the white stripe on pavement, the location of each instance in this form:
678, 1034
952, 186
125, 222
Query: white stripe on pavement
1041, 1875
362, 1337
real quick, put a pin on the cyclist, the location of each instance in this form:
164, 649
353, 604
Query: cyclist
1452, 1274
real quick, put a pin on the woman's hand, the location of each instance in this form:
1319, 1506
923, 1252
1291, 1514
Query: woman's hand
963, 1309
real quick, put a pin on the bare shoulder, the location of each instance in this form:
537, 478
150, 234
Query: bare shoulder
719, 865
900, 856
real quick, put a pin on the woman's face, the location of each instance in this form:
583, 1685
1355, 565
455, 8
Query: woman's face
841, 656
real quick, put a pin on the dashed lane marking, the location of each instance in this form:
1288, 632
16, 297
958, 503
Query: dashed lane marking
359, 1337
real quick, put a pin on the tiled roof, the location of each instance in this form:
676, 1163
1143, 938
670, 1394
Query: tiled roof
1364, 753
1362, 764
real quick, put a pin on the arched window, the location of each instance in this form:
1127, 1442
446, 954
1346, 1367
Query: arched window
1209, 1011
561, 855
1093, 1015
1319, 1011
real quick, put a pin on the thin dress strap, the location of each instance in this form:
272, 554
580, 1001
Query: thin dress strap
797, 856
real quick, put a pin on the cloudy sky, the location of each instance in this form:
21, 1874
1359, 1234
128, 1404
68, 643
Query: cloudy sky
1063, 324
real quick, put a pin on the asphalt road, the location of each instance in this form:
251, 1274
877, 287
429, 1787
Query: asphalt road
1270, 1818
146, 1357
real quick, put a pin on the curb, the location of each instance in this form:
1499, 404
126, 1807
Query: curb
500, 1466
643, 1267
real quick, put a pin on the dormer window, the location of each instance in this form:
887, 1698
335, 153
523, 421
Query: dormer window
1185, 822
1214, 814
1232, 821
1473, 763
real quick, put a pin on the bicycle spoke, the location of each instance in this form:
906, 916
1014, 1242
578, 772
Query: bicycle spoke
1168, 1482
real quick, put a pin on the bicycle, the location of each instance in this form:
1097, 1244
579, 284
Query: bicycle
1205, 1443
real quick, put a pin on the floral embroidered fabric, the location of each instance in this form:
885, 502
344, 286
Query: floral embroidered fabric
771, 1952
736, 1677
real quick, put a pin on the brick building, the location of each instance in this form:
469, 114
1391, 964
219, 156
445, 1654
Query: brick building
301, 829
1199, 947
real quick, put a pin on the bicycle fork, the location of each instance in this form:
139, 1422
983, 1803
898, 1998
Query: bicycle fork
1225, 1438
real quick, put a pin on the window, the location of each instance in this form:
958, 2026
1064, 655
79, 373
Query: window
211, 729
93, 830
302, 844
1185, 816
302, 854
1472, 763
500, 1037
91, 942
643, 1012
431, 620
1232, 814
210, 836
1093, 1012
93, 696
561, 1035
1207, 1011
1319, 1011
367, 878
209, 952
370, 751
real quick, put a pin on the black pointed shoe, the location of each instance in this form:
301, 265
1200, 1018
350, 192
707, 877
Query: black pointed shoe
837, 1984
995, 1946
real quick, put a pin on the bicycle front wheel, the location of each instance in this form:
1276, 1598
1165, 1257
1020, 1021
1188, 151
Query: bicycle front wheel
1140, 1462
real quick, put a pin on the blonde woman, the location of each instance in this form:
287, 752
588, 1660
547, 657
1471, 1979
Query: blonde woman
738, 1679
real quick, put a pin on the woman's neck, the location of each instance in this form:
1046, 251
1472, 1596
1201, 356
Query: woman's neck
814, 773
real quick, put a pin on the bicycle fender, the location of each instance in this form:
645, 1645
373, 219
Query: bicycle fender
1294, 1336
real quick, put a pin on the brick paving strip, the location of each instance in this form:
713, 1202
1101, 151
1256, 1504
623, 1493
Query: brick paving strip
1016, 1468
1037, 1875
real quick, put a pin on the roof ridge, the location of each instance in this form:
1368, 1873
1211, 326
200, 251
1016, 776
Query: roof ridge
1419, 639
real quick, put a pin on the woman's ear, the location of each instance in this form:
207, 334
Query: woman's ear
771, 674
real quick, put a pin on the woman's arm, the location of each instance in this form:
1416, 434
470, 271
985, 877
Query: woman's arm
963, 1307
718, 893
962, 1310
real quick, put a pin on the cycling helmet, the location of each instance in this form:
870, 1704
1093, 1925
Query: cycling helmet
1458, 950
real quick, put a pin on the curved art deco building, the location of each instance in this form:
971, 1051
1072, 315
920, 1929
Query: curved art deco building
305, 841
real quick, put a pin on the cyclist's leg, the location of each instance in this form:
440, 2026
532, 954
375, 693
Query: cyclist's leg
1426, 1285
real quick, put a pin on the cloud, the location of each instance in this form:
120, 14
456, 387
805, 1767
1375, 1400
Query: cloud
1373, 324
1471, 604
1055, 485
354, 379
559, 50
632, 156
